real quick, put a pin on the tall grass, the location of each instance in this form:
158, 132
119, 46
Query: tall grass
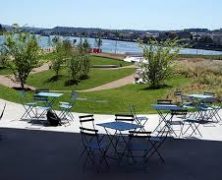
205, 76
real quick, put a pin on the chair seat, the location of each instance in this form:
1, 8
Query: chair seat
175, 122
31, 104
43, 107
188, 106
65, 106
216, 107
62, 102
142, 118
190, 120
206, 108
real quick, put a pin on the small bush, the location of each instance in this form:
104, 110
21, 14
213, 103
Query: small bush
160, 57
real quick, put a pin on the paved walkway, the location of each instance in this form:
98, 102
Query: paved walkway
30, 150
39, 155
14, 111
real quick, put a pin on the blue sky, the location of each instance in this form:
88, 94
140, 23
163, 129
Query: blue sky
114, 14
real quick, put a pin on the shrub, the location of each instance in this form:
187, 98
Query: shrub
85, 66
83, 46
74, 67
160, 56
63, 50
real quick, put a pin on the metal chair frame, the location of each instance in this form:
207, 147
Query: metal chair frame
66, 108
29, 107
141, 148
138, 120
92, 143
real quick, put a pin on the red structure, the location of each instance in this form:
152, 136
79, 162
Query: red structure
96, 50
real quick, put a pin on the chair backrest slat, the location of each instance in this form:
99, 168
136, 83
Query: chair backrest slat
87, 118
164, 101
179, 112
177, 93
124, 117
140, 134
88, 129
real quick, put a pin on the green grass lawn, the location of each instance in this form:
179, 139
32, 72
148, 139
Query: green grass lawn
96, 60
5, 71
96, 77
112, 101
47, 56
118, 100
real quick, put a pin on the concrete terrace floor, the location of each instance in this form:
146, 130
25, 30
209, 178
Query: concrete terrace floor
32, 152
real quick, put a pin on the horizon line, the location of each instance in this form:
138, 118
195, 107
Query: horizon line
112, 29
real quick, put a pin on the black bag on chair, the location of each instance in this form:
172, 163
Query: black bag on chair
53, 119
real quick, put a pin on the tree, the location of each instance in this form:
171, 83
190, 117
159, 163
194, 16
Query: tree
3, 57
80, 45
86, 46
160, 56
74, 41
74, 67
21, 51
2, 29
79, 66
83, 46
98, 42
63, 50
116, 33
84, 66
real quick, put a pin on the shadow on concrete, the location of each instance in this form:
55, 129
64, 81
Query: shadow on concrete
41, 155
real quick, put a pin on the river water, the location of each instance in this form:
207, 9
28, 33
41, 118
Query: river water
122, 47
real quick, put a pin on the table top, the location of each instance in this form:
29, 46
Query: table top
200, 96
166, 107
120, 125
50, 94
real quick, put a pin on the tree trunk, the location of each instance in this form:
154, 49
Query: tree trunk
22, 84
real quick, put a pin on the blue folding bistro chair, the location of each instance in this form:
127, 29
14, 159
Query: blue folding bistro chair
142, 145
43, 104
66, 108
93, 145
29, 107
140, 120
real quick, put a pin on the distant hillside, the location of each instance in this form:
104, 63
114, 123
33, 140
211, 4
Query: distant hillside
200, 38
